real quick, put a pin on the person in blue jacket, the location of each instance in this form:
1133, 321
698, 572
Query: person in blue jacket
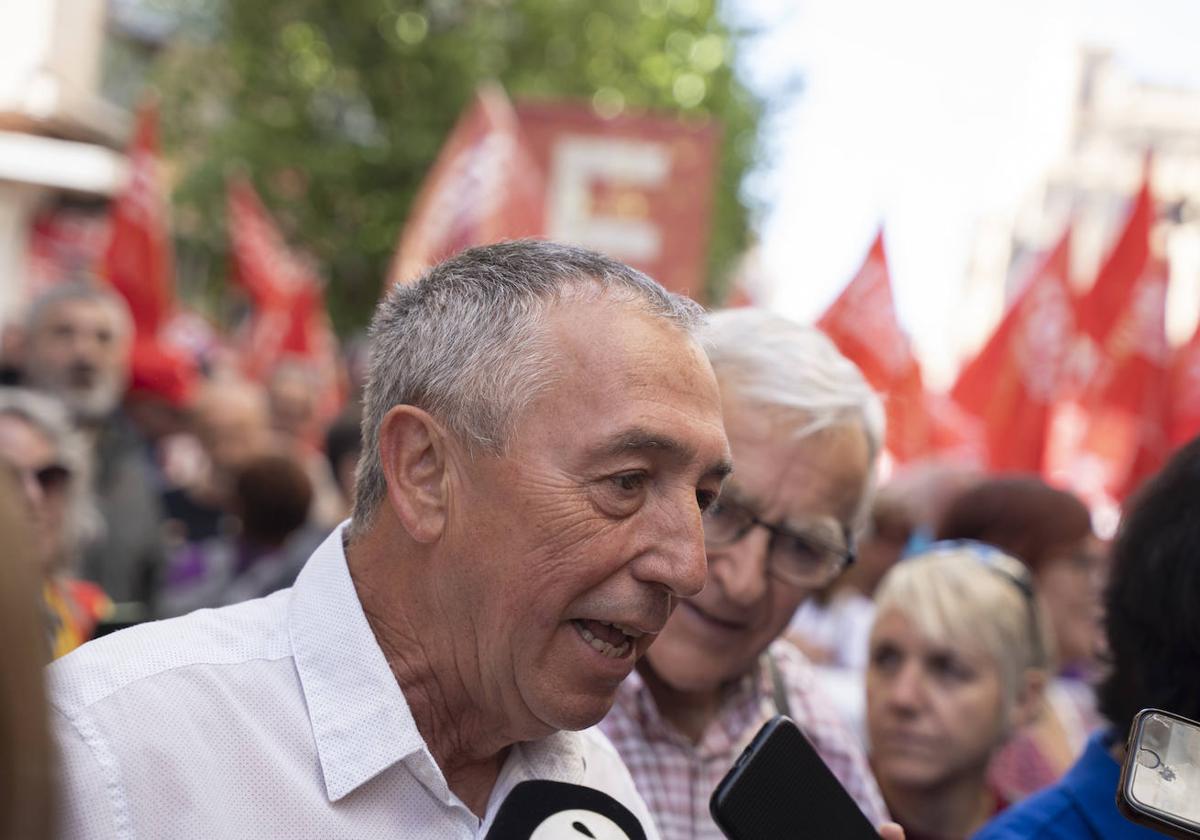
1152, 624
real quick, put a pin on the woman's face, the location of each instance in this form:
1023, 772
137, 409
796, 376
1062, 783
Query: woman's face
934, 709
1071, 585
31, 455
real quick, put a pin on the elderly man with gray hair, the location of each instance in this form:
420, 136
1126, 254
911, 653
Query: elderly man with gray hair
805, 430
542, 435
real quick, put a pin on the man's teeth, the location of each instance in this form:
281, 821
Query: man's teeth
613, 651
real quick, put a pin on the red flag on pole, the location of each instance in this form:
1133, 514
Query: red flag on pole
862, 323
1012, 383
138, 260
484, 187
289, 317
1183, 414
1107, 434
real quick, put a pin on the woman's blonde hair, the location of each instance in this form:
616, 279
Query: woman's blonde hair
971, 595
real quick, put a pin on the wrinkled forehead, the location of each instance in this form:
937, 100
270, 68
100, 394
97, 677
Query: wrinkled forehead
96, 313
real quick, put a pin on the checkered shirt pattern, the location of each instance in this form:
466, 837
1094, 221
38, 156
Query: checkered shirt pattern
677, 777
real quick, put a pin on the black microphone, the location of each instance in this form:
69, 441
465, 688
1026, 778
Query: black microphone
540, 810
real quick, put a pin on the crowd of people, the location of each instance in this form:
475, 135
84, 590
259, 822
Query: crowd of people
573, 528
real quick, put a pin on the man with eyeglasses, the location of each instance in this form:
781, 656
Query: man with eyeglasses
805, 431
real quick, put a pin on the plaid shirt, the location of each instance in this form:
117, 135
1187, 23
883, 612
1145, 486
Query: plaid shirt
677, 777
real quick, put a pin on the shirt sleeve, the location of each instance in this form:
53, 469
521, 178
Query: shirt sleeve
87, 791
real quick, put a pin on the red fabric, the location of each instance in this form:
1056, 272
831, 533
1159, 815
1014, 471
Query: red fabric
158, 369
138, 260
862, 323
483, 188
1183, 415
1107, 432
1012, 382
289, 317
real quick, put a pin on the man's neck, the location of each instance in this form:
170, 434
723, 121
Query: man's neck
469, 747
690, 712
954, 809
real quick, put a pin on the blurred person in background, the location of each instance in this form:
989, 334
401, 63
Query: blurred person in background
292, 392
230, 421
1050, 531
956, 665
271, 500
26, 754
1152, 629
39, 447
805, 430
343, 445
163, 384
77, 347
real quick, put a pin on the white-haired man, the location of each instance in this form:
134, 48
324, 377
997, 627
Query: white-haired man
542, 433
78, 338
805, 430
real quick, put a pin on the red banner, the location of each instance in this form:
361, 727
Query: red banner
1107, 434
484, 187
862, 323
138, 260
1013, 381
1183, 415
638, 188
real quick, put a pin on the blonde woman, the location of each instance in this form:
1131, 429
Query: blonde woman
956, 665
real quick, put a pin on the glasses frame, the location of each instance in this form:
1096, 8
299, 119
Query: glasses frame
846, 556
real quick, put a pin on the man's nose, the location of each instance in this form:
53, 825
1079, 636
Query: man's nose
740, 569
677, 562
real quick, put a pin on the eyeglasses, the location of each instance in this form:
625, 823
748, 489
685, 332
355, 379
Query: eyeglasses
793, 558
51, 478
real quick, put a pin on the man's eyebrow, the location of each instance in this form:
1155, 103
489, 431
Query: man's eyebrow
640, 440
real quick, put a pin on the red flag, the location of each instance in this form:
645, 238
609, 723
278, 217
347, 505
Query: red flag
862, 323
138, 260
483, 188
289, 317
1107, 434
1183, 415
1012, 382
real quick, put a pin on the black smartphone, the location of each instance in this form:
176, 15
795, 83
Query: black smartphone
780, 787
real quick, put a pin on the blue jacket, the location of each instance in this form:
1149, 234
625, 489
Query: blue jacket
1083, 804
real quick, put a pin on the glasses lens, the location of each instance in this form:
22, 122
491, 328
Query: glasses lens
804, 561
52, 478
724, 523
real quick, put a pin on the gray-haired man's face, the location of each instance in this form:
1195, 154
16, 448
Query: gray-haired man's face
79, 352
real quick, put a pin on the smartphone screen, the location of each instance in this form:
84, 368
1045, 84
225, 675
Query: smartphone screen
780, 787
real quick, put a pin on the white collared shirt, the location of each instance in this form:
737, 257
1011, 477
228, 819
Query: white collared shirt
276, 718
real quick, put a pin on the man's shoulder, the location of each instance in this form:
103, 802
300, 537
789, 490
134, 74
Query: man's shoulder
253, 631
1047, 815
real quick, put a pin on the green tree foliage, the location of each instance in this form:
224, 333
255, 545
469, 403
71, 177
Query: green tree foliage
337, 110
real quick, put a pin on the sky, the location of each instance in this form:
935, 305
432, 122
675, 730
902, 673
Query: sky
927, 116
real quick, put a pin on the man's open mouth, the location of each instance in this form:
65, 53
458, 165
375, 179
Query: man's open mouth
610, 639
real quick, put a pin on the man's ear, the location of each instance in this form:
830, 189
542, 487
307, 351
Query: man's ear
1031, 693
413, 450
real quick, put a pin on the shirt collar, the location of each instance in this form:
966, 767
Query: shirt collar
1092, 783
742, 706
361, 722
